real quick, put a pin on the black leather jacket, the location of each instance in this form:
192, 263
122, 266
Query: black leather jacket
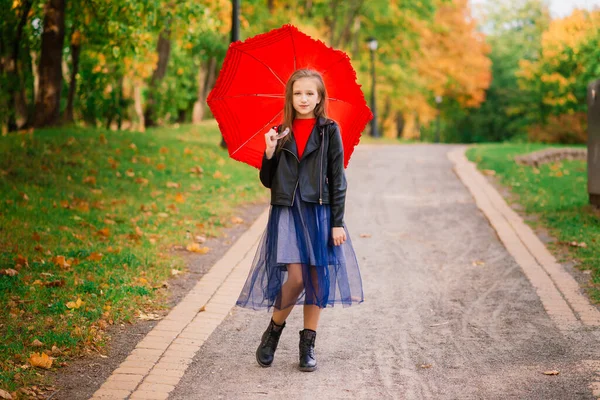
319, 174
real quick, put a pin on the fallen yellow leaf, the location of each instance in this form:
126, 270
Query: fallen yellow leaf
179, 198
5, 395
95, 256
9, 272
237, 220
173, 185
160, 166
218, 175
61, 262
163, 150
195, 248
37, 343
40, 360
75, 304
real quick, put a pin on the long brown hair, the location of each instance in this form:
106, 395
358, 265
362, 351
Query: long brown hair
289, 113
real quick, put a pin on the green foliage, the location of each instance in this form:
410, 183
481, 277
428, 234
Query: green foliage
557, 194
514, 31
61, 188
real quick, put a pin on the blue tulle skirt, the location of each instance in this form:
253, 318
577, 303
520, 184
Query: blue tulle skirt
301, 234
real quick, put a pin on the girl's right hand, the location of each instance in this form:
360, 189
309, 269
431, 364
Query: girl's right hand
271, 141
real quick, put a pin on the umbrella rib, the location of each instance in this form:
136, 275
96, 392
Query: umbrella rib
256, 133
264, 64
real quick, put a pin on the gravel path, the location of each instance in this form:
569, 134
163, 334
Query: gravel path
448, 312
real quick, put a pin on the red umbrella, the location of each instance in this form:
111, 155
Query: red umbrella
248, 98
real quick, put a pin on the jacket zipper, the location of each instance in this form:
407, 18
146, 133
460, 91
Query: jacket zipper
294, 195
321, 174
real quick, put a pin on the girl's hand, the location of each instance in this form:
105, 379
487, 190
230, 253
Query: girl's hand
271, 141
338, 235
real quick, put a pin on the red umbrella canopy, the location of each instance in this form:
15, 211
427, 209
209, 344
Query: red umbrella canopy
248, 97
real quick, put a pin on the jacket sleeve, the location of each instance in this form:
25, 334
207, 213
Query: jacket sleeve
336, 176
267, 170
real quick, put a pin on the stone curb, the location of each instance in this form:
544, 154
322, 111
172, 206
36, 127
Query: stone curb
559, 293
158, 362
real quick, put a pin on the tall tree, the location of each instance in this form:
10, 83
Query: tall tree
47, 105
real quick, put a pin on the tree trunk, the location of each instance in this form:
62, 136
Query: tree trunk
206, 77
308, 8
75, 51
400, 124
16, 91
333, 21
47, 105
139, 107
163, 49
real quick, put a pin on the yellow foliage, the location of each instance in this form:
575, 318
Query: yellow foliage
452, 61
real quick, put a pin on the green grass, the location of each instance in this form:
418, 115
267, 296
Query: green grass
557, 193
128, 196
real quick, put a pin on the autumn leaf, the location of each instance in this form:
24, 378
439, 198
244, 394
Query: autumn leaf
149, 317
160, 166
179, 198
37, 343
103, 139
132, 146
95, 256
195, 248
200, 239
175, 272
553, 372
24, 196
173, 185
90, 179
142, 181
478, 263
36, 237
237, 220
104, 232
187, 151
61, 262
21, 261
130, 173
163, 150
196, 188
9, 272
197, 170
41, 360
138, 231
75, 304
5, 395
218, 175
365, 235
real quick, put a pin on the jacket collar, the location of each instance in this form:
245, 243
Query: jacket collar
314, 140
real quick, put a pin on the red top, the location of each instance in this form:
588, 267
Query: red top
302, 129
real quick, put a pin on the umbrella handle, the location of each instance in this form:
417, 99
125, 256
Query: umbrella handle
282, 134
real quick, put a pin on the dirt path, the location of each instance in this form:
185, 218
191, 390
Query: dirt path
448, 312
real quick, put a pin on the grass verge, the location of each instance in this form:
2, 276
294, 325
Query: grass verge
87, 219
557, 194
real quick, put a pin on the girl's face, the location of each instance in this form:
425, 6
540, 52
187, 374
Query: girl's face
305, 97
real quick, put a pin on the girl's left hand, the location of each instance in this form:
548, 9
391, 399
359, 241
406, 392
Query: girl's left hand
338, 235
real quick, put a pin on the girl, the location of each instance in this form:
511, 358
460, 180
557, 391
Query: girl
305, 255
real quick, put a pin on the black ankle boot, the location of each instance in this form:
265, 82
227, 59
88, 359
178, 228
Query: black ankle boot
308, 361
268, 344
